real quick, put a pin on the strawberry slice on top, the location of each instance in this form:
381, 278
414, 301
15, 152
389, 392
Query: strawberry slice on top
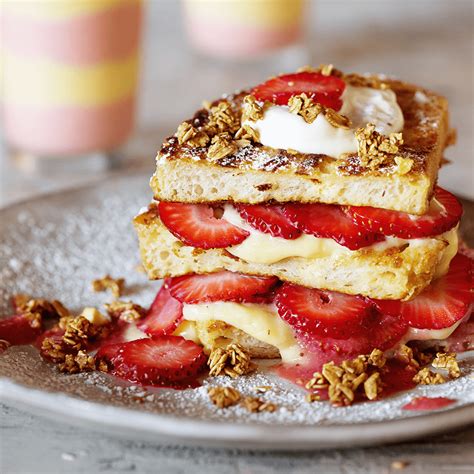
321, 312
220, 286
329, 221
444, 213
196, 225
326, 90
164, 315
268, 219
160, 360
445, 302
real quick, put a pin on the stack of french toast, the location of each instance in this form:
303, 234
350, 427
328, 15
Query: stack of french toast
303, 216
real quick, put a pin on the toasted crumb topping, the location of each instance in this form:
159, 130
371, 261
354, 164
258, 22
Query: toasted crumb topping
222, 118
232, 361
115, 285
375, 149
224, 397
125, 310
186, 133
75, 363
427, 377
377, 358
258, 405
447, 361
221, 145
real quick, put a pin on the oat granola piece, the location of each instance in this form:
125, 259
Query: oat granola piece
224, 397
232, 361
373, 386
79, 331
317, 382
302, 105
258, 405
247, 133
222, 145
263, 388
75, 363
115, 285
405, 355
222, 118
377, 358
38, 308
447, 361
125, 310
312, 397
358, 80
427, 377
251, 109
375, 149
187, 134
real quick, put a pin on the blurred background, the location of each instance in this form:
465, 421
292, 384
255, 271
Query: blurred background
91, 88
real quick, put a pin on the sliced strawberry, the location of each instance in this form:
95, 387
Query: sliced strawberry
268, 219
444, 213
159, 360
325, 90
164, 314
195, 225
18, 330
445, 302
220, 286
329, 221
381, 332
321, 312
108, 352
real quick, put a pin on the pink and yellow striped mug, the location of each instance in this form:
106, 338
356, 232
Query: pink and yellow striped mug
70, 72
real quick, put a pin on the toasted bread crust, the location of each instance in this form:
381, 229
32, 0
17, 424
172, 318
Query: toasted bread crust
399, 273
257, 174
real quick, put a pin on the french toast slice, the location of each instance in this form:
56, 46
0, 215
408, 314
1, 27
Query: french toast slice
255, 174
399, 272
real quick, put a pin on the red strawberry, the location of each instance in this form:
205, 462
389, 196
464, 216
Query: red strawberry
220, 286
329, 221
268, 219
321, 312
446, 301
17, 330
380, 332
195, 225
440, 218
325, 90
159, 361
164, 314
108, 352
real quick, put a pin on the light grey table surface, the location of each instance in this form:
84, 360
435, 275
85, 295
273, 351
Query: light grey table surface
423, 41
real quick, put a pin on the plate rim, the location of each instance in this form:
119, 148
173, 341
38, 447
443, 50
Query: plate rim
223, 433
197, 431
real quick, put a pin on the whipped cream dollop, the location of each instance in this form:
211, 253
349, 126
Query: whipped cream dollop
279, 128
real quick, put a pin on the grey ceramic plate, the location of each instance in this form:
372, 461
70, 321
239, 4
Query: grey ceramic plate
55, 245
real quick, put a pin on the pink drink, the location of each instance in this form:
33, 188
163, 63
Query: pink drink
243, 28
70, 74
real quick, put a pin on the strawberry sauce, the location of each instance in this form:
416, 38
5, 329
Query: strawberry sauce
428, 403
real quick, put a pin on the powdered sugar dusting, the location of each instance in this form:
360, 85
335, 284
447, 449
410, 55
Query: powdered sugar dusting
55, 247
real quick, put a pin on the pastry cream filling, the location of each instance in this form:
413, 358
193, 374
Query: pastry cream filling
260, 247
264, 324
279, 128
259, 321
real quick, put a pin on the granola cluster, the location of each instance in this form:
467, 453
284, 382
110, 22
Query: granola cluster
232, 361
115, 285
375, 149
36, 309
125, 310
304, 106
224, 397
343, 382
222, 131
